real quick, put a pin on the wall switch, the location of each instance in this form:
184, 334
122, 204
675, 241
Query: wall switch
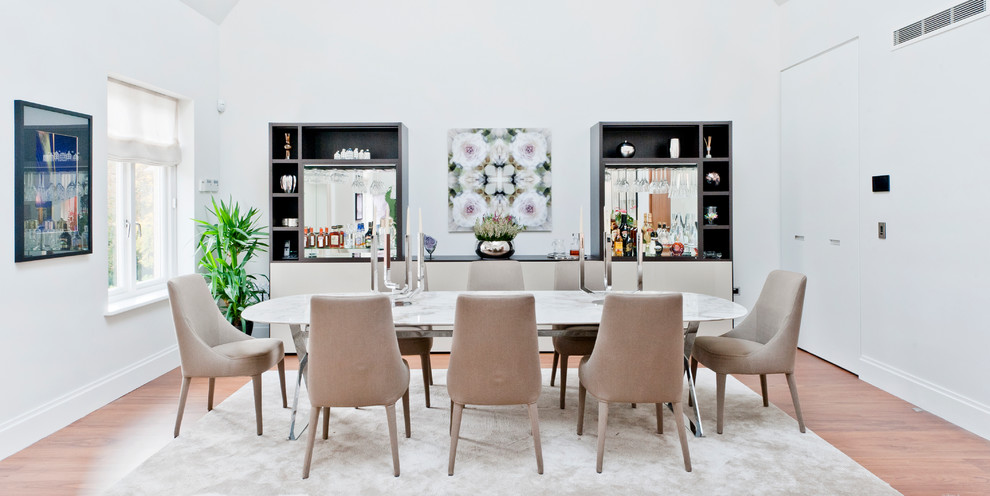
882, 230
209, 185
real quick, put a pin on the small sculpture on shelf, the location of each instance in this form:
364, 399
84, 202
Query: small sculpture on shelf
430, 244
708, 147
713, 179
626, 149
288, 145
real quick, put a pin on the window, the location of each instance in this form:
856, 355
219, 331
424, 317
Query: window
143, 153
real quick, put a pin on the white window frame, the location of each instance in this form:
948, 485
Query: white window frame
129, 292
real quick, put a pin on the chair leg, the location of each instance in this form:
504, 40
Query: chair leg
429, 367
455, 432
553, 367
326, 422
209, 395
763, 388
281, 381
314, 415
405, 411
602, 424
427, 380
256, 379
534, 419
792, 384
659, 418
393, 437
720, 398
563, 378
183, 392
682, 434
694, 378
582, 394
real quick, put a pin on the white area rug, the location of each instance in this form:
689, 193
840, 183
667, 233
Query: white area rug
761, 452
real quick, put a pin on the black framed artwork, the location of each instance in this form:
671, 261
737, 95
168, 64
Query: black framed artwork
358, 206
53, 162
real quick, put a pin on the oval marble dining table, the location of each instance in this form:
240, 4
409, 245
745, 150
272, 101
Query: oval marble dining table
431, 314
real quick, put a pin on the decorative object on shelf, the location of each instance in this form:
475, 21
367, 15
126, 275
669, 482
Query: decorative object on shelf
288, 183
713, 178
711, 213
290, 222
626, 149
495, 234
52, 164
502, 172
675, 148
708, 147
228, 245
677, 249
288, 145
352, 154
430, 243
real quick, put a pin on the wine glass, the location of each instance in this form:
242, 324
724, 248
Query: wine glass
642, 185
655, 187
338, 177
623, 185
358, 185
377, 187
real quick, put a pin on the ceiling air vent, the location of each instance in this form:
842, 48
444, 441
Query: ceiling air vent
939, 21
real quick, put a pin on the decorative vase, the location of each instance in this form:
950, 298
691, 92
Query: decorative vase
675, 148
711, 213
626, 149
494, 249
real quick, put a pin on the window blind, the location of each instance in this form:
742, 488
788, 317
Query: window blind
142, 126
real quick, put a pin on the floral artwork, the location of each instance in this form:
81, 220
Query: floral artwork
499, 172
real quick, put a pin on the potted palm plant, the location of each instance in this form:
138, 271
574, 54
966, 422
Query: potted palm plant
228, 243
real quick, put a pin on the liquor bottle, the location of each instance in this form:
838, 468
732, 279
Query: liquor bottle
624, 234
368, 236
359, 236
321, 239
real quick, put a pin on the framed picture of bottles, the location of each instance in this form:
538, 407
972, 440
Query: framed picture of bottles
52, 171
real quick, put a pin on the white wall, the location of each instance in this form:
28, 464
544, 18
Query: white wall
923, 120
62, 358
555, 64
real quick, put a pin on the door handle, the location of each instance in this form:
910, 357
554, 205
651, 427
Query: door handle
834, 241
799, 237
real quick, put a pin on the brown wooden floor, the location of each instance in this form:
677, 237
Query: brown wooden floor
916, 452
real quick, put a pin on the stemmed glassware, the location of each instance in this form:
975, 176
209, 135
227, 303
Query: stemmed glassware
623, 185
377, 187
338, 177
358, 185
642, 185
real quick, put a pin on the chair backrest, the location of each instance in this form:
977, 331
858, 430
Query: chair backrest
495, 275
494, 356
639, 352
353, 352
567, 276
777, 311
199, 325
399, 275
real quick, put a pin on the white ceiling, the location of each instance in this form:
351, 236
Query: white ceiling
217, 10
214, 10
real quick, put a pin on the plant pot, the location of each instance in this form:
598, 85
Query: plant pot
494, 249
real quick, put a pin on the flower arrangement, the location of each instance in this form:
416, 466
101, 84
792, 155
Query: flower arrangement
495, 227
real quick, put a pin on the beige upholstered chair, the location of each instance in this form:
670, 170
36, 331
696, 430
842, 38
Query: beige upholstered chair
764, 343
354, 361
566, 276
494, 360
638, 359
210, 347
495, 275
420, 346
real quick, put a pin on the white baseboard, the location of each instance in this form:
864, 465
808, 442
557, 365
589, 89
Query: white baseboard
26, 429
951, 406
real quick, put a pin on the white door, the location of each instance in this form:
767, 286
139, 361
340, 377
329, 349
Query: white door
819, 198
